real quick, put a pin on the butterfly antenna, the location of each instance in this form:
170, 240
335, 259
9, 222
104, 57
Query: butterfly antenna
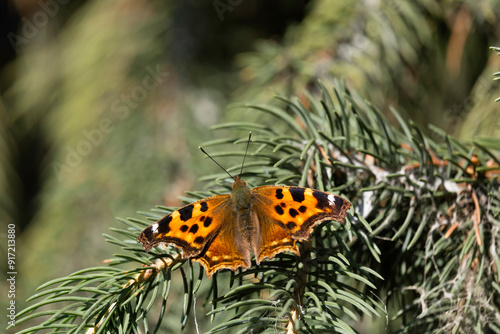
208, 155
246, 150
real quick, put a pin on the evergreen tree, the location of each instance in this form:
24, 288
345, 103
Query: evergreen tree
419, 249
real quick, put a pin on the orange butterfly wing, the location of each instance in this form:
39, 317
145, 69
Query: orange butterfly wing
189, 228
287, 214
203, 230
227, 250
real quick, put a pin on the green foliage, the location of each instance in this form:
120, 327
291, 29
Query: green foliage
419, 248
427, 59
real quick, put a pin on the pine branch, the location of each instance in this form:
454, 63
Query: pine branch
423, 234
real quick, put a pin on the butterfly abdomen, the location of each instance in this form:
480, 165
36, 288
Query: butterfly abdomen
247, 229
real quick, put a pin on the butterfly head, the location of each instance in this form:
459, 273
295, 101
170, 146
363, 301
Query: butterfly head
238, 183
241, 195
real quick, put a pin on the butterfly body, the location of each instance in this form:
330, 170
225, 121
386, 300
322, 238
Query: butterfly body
223, 231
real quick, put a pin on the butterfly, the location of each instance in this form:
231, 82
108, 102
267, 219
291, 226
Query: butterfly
222, 231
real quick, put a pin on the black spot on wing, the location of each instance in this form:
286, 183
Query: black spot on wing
147, 234
207, 221
163, 227
184, 228
339, 204
186, 212
291, 225
303, 208
297, 194
279, 210
279, 193
193, 229
293, 213
203, 206
199, 240
322, 199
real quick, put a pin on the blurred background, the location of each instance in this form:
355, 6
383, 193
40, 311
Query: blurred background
104, 103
